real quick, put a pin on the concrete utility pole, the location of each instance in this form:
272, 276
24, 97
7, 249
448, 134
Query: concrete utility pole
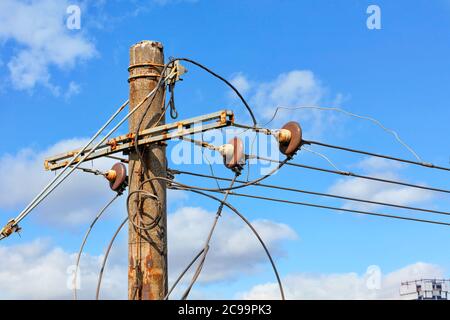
147, 255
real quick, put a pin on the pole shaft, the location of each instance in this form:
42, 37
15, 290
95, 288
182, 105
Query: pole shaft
147, 249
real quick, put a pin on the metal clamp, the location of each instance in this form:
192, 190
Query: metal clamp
10, 228
175, 72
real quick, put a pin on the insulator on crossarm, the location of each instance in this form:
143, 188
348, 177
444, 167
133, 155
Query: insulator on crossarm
289, 138
233, 154
117, 177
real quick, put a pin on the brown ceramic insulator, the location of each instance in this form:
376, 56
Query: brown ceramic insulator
294, 144
121, 176
238, 154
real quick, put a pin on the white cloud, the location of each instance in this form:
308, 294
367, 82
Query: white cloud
345, 285
73, 90
36, 270
240, 81
379, 191
234, 249
74, 202
374, 164
38, 30
294, 88
291, 91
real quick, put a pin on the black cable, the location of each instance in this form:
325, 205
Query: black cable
159, 84
186, 187
336, 208
423, 164
248, 223
100, 276
314, 193
351, 174
174, 113
173, 109
246, 184
154, 221
236, 91
186, 269
100, 213
208, 241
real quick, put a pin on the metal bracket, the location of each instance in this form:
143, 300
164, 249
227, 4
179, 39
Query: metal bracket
174, 73
161, 133
10, 228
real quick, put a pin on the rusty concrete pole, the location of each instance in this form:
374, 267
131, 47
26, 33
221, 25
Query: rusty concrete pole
147, 249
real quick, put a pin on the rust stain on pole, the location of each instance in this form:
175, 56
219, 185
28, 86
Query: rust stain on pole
147, 256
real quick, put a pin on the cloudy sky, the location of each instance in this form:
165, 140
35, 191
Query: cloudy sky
58, 85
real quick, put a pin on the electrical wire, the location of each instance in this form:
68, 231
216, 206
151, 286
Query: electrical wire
184, 187
196, 189
205, 189
100, 213
211, 169
423, 164
154, 221
337, 208
377, 122
231, 86
93, 171
208, 240
41, 196
322, 156
269, 186
311, 142
349, 174
248, 183
288, 162
24, 213
55, 183
108, 250
143, 168
186, 269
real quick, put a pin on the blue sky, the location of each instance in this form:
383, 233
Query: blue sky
57, 86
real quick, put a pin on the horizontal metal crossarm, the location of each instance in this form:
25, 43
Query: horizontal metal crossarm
165, 132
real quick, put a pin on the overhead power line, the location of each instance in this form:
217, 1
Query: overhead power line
288, 162
83, 243
368, 153
350, 174
208, 240
183, 187
105, 259
322, 194
307, 204
377, 122
148, 232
